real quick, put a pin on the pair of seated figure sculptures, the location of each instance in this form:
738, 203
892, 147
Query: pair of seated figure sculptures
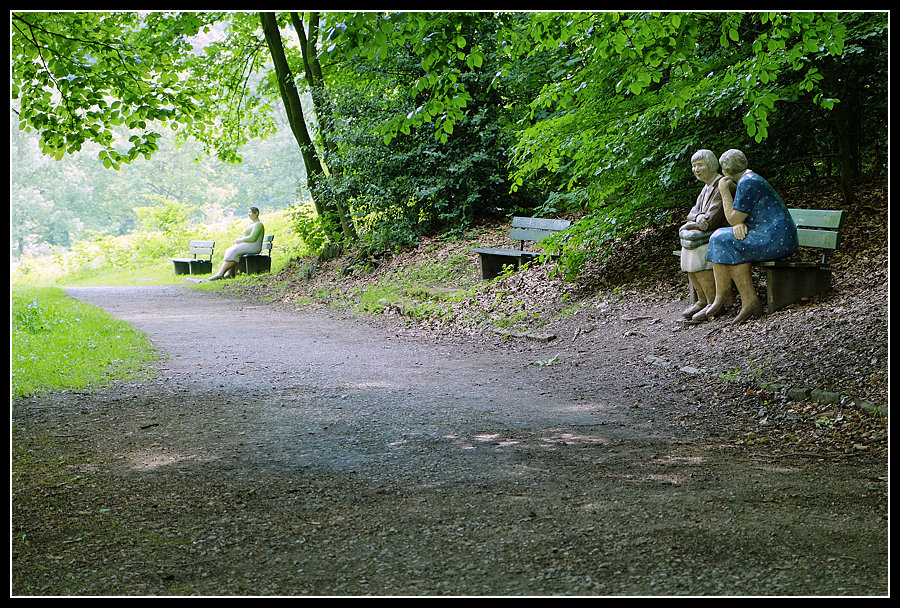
738, 219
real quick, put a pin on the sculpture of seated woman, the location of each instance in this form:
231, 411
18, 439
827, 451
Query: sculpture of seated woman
704, 218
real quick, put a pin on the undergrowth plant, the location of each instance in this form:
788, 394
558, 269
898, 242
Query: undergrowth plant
416, 289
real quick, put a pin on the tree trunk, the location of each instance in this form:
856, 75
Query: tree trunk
321, 105
313, 75
846, 126
291, 98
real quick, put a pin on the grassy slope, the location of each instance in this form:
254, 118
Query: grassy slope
58, 343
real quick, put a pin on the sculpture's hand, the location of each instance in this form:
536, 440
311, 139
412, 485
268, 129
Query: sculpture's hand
740, 231
726, 184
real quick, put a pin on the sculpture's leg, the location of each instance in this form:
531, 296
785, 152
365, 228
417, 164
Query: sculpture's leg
722, 274
751, 305
705, 287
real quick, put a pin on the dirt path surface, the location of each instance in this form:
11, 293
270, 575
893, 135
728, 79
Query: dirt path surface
296, 452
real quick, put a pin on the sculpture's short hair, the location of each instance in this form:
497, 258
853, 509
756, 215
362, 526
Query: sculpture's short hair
733, 161
708, 157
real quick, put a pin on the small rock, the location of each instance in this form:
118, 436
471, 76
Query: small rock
825, 397
799, 394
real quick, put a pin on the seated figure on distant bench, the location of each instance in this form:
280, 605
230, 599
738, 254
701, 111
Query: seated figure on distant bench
248, 244
704, 218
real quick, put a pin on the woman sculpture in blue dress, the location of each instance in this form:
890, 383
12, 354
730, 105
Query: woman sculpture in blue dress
761, 229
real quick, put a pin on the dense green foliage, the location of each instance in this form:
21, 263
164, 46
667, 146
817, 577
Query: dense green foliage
426, 122
59, 343
79, 74
422, 180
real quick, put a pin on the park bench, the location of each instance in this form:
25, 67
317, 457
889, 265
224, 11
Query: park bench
194, 264
791, 279
258, 263
807, 272
492, 260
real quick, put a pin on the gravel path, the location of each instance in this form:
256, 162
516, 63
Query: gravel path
284, 452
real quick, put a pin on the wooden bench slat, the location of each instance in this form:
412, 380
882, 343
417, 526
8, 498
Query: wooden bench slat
788, 263
199, 248
540, 223
525, 234
499, 251
817, 218
820, 239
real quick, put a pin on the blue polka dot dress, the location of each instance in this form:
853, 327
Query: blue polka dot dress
771, 234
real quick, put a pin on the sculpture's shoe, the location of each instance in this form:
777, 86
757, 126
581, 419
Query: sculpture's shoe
706, 314
691, 311
755, 311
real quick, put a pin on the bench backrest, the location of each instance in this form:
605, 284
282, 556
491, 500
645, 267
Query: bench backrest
202, 248
535, 228
267, 243
818, 228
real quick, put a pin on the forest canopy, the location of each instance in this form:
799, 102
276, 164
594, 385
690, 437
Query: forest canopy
412, 123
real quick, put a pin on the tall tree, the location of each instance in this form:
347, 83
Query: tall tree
322, 106
230, 68
291, 97
78, 76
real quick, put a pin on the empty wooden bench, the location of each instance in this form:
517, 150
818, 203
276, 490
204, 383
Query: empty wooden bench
807, 272
492, 260
258, 263
195, 264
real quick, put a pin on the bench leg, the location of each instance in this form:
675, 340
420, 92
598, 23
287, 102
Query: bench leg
489, 266
192, 266
201, 267
255, 264
785, 286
